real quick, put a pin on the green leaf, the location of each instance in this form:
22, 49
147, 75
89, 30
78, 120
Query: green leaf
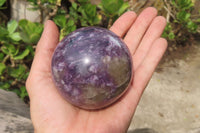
5, 50
60, 20
184, 4
17, 91
65, 31
23, 92
74, 5
174, 3
4, 85
30, 47
17, 72
164, 35
25, 37
11, 48
100, 6
12, 26
17, 51
111, 7
83, 23
96, 20
70, 22
73, 28
3, 32
22, 55
2, 2
192, 26
183, 16
23, 23
25, 76
73, 13
30, 32
123, 8
1, 56
8, 49
171, 36
34, 38
2, 68
15, 36
82, 11
53, 1
90, 10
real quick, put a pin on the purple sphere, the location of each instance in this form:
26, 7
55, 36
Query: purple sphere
92, 67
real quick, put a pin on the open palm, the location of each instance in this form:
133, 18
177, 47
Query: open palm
52, 114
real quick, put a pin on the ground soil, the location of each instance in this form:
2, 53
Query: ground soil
171, 101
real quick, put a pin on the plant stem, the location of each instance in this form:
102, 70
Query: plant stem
41, 10
6, 58
110, 22
168, 9
12, 62
14, 82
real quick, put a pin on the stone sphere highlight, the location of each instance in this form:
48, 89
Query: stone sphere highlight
92, 68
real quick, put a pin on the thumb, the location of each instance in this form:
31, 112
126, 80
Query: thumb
45, 48
41, 66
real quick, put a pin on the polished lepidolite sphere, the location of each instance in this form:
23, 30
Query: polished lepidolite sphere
92, 67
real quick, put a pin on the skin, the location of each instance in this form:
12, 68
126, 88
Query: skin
50, 113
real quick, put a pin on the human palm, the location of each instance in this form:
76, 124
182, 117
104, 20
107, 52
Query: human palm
51, 113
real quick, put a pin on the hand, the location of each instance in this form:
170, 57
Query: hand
50, 113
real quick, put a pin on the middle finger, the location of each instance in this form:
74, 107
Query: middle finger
138, 29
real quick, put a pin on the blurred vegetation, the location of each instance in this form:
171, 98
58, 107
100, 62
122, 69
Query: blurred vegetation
80, 13
182, 24
18, 39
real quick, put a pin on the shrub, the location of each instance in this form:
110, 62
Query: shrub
17, 42
181, 23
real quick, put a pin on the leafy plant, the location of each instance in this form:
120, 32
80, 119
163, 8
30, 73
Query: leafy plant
9, 34
30, 32
168, 32
183, 16
80, 13
66, 25
113, 9
181, 24
16, 53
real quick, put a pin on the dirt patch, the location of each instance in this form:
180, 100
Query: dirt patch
186, 53
170, 103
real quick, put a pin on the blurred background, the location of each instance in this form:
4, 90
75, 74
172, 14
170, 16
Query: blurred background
171, 102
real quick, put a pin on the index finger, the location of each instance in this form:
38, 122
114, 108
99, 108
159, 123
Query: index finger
123, 23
